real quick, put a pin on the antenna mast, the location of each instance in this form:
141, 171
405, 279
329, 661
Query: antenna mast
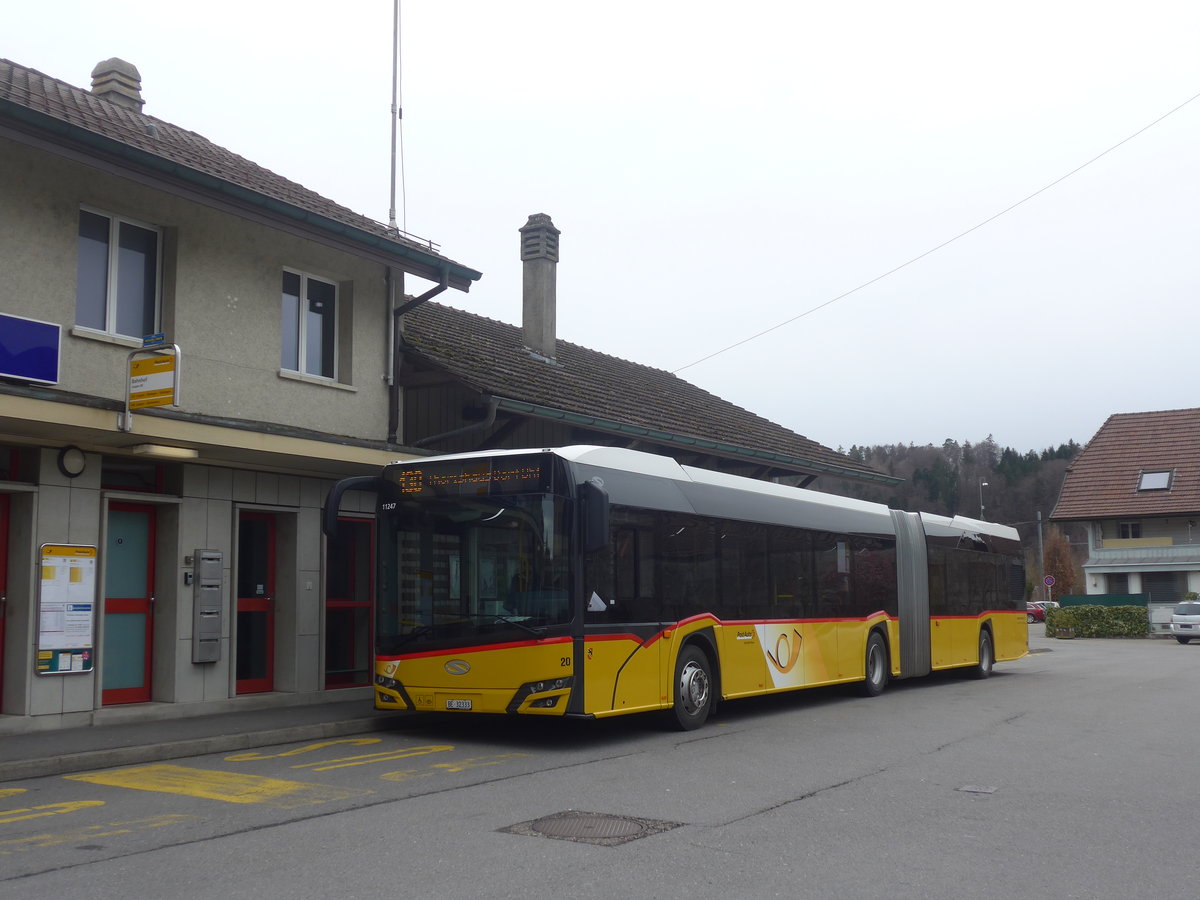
397, 113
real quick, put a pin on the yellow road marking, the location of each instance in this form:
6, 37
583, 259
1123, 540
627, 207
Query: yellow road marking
369, 758
448, 768
114, 829
10, 792
247, 757
51, 809
479, 762
229, 787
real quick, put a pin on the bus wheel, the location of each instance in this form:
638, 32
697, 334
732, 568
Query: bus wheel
876, 666
693, 689
986, 657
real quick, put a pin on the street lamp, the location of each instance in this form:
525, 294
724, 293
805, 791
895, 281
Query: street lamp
982, 485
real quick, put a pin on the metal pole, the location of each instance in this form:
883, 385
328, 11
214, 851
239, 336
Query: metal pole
1041, 552
395, 106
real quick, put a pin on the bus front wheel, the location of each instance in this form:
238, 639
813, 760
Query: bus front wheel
693, 688
876, 666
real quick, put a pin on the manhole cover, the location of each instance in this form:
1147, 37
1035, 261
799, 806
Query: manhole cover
591, 828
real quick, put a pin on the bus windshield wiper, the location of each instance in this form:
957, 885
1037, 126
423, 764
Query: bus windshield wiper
409, 636
529, 628
507, 621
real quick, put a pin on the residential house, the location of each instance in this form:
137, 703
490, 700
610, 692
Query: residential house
1135, 489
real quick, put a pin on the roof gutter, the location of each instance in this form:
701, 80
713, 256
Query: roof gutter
425, 264
682, 440
398, 348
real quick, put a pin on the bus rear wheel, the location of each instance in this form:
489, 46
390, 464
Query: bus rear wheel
693, 689
876, 666
986, 655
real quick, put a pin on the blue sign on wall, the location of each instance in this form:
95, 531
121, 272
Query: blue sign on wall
29, 349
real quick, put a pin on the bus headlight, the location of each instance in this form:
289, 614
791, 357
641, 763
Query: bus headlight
530, 688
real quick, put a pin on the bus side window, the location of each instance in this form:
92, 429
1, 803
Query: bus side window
874, 576
938, 578
744, 571
791, 573
688, 566
625, 567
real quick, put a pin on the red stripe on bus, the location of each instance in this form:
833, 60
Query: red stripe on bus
454, 651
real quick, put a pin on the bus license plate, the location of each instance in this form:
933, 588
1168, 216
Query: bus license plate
458, 704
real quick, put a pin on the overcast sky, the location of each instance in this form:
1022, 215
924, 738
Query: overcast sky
717, 169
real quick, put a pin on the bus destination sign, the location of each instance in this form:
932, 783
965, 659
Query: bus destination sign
470, 478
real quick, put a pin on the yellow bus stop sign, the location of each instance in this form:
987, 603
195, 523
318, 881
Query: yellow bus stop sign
152, 381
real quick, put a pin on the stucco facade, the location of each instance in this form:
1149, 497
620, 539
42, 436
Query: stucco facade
220, 292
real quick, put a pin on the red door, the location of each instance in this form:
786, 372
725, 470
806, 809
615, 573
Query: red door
350, 572
126, 656
255, 661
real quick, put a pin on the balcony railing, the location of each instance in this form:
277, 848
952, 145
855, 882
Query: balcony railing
1136, 543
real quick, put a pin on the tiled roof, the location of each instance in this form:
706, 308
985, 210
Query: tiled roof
73, 113
490, 357
1103, 480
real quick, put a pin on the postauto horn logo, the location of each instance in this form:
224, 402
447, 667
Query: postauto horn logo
458, 667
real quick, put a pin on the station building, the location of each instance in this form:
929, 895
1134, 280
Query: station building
167, 560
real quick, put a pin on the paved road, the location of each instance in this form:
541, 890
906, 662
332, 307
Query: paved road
1058, 777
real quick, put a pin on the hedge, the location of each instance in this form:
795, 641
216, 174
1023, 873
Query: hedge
1097, 621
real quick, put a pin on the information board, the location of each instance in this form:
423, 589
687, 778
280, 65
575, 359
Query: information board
66, 609
152, 382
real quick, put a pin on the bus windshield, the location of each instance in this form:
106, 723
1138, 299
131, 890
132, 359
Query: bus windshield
456, 569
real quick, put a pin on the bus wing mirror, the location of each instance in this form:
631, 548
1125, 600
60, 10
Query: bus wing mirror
333, 501
594, 525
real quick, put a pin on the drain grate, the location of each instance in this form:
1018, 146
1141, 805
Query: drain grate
591, 828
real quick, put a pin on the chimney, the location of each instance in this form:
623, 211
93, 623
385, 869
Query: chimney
118, 82
539, 254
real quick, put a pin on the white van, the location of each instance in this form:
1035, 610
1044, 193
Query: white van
1185, 621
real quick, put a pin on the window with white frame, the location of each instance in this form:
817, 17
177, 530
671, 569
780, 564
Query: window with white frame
117, 275
309, 325
1131, 530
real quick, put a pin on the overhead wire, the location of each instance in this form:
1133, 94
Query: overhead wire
940, 246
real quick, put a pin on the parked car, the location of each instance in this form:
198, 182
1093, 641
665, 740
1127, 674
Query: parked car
1185, 621
1035, 613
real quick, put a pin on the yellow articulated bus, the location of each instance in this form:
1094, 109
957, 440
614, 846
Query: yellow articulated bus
595, 581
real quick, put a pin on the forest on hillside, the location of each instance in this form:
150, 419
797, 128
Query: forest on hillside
959, 478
